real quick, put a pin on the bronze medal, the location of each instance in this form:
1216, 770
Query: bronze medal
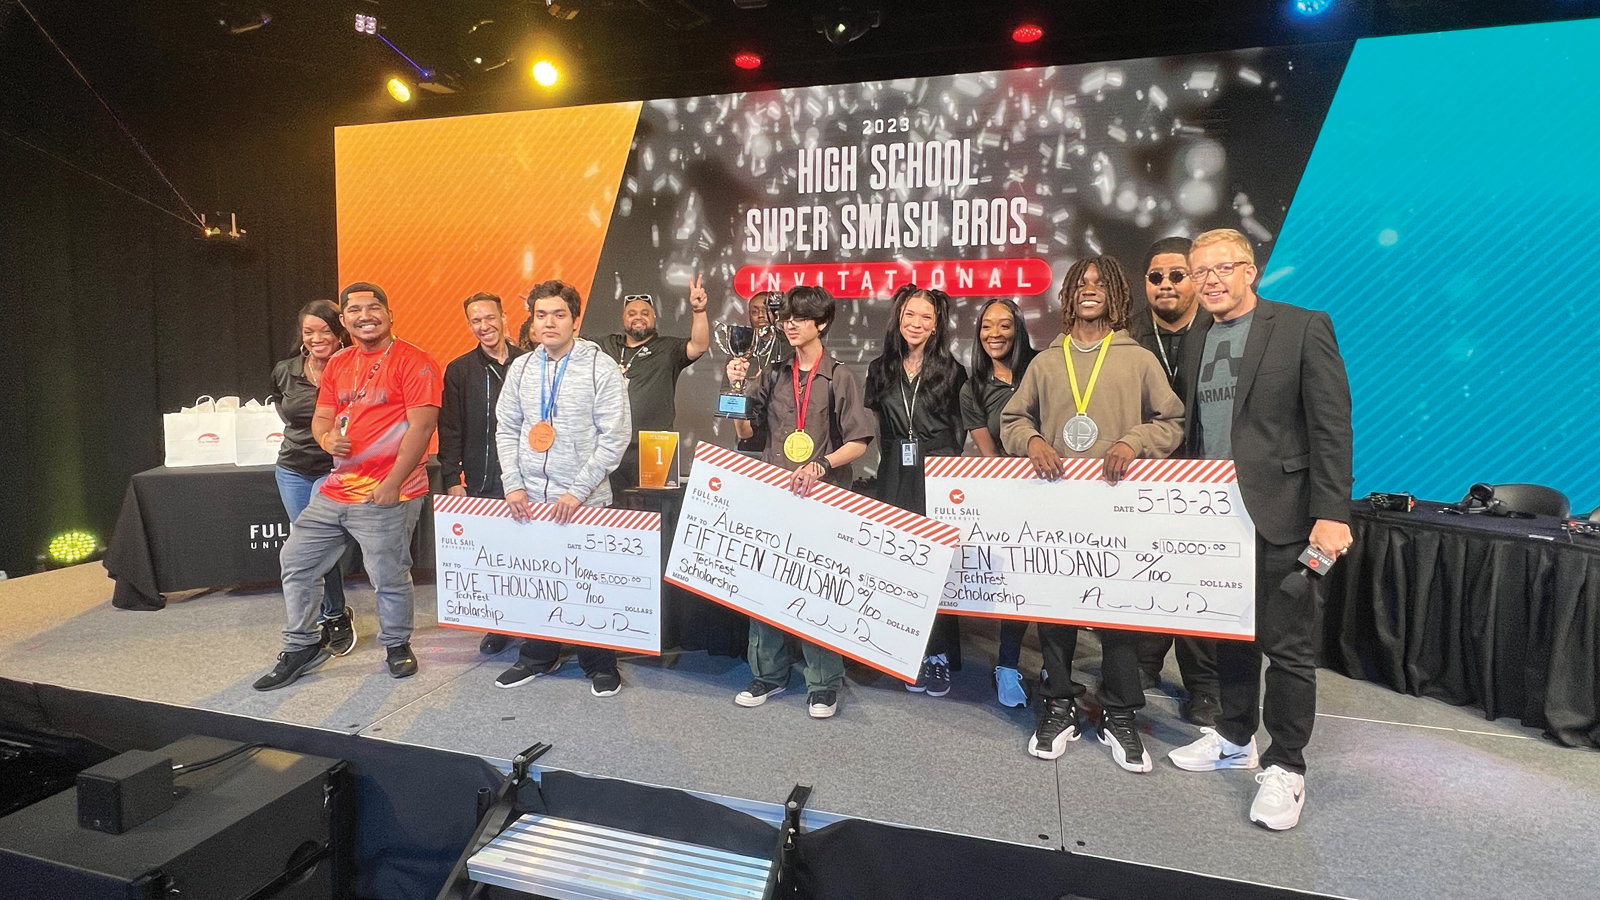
542, 436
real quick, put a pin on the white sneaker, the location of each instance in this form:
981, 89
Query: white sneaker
1213, 752
1279, 800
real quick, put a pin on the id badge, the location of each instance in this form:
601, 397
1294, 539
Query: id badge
910, 453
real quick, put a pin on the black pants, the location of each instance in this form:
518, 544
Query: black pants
1119, 666
945, 637
538, 654
1288, 605
1197, 660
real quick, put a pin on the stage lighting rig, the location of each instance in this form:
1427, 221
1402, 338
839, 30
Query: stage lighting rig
70, 548
848, 22
211, 233
487, 46
565, 10
241, 18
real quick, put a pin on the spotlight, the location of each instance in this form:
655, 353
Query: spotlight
399, 90
747, 60
1027, 33
847, 22
545, 73
72, 547
1312, 7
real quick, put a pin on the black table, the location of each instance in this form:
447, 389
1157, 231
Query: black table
1500, 613
209, 526
688, 621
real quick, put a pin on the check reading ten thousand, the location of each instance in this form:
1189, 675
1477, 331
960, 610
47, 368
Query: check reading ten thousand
835, 568
1168, 548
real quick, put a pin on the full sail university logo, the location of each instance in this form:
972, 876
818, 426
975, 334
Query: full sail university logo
269, 536
208, 440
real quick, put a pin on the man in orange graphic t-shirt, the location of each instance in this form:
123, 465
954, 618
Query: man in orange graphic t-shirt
377, 407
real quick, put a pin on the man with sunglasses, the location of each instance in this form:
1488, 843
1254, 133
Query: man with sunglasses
651, 364
1174, 311
1264, 385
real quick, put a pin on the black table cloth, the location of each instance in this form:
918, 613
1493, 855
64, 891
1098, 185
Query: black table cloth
1500, 613
688, 621
208, 526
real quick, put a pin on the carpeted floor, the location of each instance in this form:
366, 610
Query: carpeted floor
1407, 798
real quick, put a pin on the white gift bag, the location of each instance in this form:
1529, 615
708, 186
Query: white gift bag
259, 432
200, 435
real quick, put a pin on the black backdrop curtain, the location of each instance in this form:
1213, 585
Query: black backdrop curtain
113, 311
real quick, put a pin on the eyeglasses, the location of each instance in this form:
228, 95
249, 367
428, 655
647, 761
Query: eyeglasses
1176, 276
645, 297
1223, 270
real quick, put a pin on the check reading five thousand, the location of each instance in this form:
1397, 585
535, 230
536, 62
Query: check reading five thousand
834, 567
1170, 547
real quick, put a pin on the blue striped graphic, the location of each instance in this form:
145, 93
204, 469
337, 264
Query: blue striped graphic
1449, 221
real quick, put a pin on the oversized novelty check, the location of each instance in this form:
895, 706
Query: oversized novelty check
1168, 548
835, 568
594, 580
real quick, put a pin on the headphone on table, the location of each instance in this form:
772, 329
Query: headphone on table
1480, 499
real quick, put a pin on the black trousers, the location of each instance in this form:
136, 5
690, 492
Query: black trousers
1197, 660
539, 653
1119, 666
945, 637
1288, 604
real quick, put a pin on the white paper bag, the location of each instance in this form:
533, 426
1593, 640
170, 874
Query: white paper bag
200, 435
259, 432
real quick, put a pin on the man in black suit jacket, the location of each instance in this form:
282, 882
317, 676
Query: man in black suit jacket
1265, 386
1173, 314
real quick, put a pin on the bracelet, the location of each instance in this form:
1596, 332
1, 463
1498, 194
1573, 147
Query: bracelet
823, 462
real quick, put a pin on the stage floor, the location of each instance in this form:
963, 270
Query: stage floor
1407, 797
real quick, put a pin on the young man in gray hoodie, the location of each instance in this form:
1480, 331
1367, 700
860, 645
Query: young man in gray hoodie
563, 424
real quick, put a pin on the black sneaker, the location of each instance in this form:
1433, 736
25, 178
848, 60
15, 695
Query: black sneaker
493, 643
822, 704
521, 673
291, 665
1118, 731
937, 670
402, 662
757, 693
1058, 724
605, 684
339, 634
1202, 710
921, 684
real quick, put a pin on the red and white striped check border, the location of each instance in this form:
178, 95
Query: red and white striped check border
839, 498
595, 516
1212, 471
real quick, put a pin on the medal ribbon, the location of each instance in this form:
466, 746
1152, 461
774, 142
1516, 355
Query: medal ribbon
547, 404
1082, 400
802, 404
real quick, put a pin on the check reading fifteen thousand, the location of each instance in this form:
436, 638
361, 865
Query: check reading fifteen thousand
594, 580
1170, 547
834, 567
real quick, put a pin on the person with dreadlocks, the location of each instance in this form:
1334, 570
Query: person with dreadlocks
1095, 393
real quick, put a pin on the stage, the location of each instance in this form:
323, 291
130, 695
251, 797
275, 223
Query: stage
1407, 797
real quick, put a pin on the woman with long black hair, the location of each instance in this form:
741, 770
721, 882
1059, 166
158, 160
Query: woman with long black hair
1000, 355
915, 388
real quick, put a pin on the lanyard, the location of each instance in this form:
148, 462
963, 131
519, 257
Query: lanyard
626, 364
801, 404
547, 403
910, 405
1082, 400
1162, 346
362, 391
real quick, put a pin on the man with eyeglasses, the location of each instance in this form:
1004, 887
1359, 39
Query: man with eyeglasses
651, 364
1265, 386
1174, 312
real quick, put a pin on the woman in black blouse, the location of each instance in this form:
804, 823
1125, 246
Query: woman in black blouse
915, 388
1000, 355
302, 464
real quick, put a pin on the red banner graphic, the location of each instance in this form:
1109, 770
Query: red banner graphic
1023, 277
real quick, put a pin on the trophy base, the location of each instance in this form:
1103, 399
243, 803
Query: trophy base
733, 406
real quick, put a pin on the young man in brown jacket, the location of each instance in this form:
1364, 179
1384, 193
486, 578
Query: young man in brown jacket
1113, 404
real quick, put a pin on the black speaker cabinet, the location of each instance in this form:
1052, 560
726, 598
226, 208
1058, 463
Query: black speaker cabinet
265, 825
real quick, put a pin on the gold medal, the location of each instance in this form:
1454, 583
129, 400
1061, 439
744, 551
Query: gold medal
542, 436
798, 447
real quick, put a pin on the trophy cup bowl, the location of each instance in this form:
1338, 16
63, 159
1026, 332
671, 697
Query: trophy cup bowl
738, 341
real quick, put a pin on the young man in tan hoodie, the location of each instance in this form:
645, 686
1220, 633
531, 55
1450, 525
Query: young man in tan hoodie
1113, 404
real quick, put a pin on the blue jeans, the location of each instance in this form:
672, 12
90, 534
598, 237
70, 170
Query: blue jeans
314, 546
295, 490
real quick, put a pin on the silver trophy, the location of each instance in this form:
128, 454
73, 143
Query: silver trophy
740, 342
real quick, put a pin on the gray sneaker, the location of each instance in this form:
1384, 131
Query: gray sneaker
291, 665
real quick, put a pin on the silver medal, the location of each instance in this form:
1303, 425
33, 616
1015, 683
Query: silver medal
1080, 433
